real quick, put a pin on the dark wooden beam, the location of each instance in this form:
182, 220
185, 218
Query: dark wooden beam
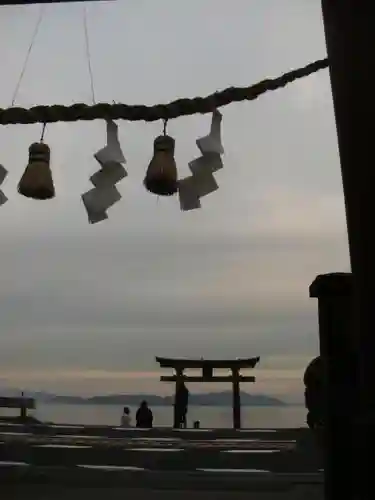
199, 378
336, 345
207, 371
182, 363
350, 37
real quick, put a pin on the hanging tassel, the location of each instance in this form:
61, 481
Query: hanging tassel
36, 182
3, 174
211, 143
161, 176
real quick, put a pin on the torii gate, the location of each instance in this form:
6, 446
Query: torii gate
207, 366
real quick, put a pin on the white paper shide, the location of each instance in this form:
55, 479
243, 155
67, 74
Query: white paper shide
188, 195
3, 174
105, 194
211, 143
202, 181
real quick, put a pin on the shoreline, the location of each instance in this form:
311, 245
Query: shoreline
209, 416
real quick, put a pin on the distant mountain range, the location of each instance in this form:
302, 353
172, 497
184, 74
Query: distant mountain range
205, 399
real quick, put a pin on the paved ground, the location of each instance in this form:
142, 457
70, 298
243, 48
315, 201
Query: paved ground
73, 459
161, 432
56, 484
78, 446
297, 492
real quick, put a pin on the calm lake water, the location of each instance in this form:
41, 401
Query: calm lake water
209, 416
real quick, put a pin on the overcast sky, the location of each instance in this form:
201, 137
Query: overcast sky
84, 309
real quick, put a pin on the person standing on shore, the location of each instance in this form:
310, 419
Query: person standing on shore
144, 417
181, 405
126, 418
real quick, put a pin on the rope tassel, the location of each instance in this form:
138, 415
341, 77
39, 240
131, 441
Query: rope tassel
161, 176
36, 182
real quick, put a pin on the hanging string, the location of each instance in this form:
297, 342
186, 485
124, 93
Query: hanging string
165, 123
33, 38
180, 107
43, 132
88, 54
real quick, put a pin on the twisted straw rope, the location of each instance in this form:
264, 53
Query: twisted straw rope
180, 107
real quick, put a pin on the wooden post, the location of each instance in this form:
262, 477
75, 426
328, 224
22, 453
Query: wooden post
334, 294
23, 410
350, 36
236, 399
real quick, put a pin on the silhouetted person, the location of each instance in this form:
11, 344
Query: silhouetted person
125, 418
23, 410
144, 417
181, 405
314, 395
